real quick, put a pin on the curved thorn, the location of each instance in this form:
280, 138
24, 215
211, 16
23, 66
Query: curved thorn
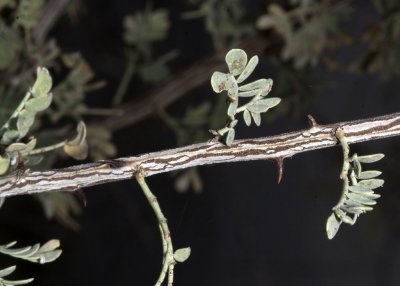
113, 164
279, 162
311, 121
81, 196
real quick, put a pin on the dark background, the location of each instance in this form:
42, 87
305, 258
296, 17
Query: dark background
244, 228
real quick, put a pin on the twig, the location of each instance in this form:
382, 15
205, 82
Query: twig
52, 11
168, 250
279, 146
346, 165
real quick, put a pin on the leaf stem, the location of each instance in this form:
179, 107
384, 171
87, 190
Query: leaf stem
126, 78
346, 165
46, 149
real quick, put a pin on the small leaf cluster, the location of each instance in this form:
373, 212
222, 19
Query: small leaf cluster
305, 29
358, 193
25, 16
36, 253
7, 271
223, 20
38, 98
24, 46
239, 70
142, 31
382, 55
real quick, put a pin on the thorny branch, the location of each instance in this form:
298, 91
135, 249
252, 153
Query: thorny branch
272, 148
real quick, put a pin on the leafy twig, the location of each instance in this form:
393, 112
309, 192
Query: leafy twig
357, 191
46, 253
7, 271
169, 257
239, 70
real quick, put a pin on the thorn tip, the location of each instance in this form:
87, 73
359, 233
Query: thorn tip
279, 162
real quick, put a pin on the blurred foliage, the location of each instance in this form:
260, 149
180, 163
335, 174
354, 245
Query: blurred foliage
141, 31
19, 55
306, 29
382, 56
190, 128
310, 29
223, 20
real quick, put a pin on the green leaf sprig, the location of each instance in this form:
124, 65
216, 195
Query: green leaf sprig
7, 271
358, 188
36, 253
37, 99
239, 70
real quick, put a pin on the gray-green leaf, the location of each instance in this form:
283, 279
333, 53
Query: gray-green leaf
260, 84
236, 59
248, 69
230, 137
256, 118
370, 158
43, 82
78, 148
332, 226
247, 117
360, 198
24, 122
4, 165
181, 255
263, 105
9, 136
372, 183
359, 189
369, 174
39, 103
7, 271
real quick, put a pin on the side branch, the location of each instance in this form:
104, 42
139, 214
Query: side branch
274, 147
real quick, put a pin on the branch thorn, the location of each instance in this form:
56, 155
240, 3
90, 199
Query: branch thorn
113, 164
81, 196
311, 121
279, 162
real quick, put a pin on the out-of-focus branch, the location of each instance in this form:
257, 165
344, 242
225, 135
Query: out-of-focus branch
52, 11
